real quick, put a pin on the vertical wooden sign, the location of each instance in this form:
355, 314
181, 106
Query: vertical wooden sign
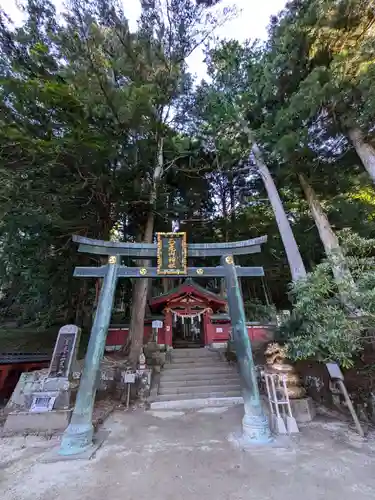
172, 254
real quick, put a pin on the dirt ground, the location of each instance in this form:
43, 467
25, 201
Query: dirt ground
174, 455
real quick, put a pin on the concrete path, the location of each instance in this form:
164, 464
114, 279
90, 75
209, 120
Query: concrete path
186, 455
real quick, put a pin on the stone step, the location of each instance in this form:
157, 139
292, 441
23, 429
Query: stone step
200, 381
197, 364
192, 361
191, 350
197, 378
185, 404
199, 359
199, 372
204, 355
193, 353
196, 382
194, 366
200, 390
189, 395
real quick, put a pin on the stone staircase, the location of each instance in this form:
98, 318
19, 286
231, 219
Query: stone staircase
197, 378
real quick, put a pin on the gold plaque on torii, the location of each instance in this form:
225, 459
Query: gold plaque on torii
172, 254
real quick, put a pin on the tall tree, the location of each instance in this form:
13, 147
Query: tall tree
313, 58
235, 73
171, 32
321, 62
44, 147
296, 265
333, 250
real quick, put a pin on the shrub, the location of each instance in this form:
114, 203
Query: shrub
320, 326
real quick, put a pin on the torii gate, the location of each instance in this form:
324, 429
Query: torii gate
171, 251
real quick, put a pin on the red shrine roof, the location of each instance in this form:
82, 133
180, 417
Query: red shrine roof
189, 287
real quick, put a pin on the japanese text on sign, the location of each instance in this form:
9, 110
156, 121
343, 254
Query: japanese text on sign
172, 254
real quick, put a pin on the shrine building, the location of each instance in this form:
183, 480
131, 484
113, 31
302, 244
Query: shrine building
187, 316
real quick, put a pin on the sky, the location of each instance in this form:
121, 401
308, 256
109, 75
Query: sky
251, 23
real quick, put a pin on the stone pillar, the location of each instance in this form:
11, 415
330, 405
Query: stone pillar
254, 423
78, 436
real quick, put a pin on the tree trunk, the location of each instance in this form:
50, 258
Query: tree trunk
341, 273
223, 198
82, 297
364, 150
232, 207
224, 207
141, 285
296, 265
140, 292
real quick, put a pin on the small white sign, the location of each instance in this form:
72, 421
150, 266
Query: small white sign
334, 371
42, 403
129, 378
157, 324
219, 330
69, 329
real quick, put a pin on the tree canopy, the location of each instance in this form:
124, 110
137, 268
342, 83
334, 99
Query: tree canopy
105, 133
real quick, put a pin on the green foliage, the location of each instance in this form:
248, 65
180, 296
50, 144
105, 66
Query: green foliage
84, 103
320, 327
256, 311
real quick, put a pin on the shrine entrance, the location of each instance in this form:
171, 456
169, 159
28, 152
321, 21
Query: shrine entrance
172, 253
189, 311
187, 331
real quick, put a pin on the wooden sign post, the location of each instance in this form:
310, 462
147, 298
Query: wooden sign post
156, 325
337, 376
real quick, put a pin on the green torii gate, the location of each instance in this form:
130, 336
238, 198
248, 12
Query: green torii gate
172, 262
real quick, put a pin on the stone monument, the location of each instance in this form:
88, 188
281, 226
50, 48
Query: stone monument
41, 401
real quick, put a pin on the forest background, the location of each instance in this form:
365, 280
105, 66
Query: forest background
105, 133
